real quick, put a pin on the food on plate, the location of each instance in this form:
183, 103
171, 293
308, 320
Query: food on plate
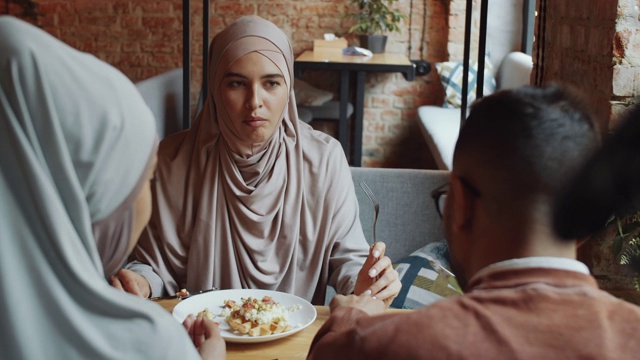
258, 317
206, 314
183, 293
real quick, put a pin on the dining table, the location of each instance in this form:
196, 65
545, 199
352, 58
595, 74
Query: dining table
295, 346
352, 66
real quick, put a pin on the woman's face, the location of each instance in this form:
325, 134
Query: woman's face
254, 94
142, 207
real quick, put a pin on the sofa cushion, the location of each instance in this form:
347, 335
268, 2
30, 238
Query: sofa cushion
451, 75
423, 282
309, 95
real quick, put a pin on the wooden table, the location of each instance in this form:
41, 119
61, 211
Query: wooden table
333, 60
295, 346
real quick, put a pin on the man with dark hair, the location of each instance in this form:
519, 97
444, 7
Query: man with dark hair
526, 295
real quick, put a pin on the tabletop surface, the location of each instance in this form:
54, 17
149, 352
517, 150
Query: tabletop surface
333, 56
295, 346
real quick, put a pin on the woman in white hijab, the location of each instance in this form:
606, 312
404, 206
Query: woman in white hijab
250, 197
77, 151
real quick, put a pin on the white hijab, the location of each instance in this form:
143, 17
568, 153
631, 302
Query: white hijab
75, 140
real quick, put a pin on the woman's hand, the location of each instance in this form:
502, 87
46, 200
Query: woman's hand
363, 302
206, 337
131, 282
377, 277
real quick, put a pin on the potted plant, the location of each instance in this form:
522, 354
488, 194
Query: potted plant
373, 20
613, 256
626, 245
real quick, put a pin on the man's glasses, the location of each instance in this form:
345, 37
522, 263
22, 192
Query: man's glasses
439, 194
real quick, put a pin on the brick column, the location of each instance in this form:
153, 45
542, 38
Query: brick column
593, 45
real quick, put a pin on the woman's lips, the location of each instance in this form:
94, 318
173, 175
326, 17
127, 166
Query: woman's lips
255, 122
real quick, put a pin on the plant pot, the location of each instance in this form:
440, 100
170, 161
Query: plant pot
375, 43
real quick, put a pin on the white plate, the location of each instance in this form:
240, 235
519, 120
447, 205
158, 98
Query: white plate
214, 300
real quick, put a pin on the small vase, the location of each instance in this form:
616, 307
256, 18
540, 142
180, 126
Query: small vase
375, 43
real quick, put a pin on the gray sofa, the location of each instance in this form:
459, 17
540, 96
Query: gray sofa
408, 219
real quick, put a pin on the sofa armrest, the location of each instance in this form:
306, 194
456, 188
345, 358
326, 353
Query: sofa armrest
515, 71
440, 127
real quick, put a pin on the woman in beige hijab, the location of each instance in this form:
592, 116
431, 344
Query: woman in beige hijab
77, 152
250, 197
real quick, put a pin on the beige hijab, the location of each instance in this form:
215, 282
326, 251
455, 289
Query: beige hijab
286, 218
76, 139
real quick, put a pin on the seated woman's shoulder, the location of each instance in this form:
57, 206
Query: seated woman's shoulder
319, 145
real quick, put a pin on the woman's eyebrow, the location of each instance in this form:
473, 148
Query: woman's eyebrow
266, 76
233, 74
273, 76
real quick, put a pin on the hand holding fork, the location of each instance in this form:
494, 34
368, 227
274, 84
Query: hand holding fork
376, 210
382, 280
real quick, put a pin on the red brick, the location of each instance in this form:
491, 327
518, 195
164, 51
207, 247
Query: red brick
274, 8
160, 60
53, 8
130, 47
162, 22
236, 9
381, 101
132, 61
67, 21
317, 9
122, 7
130, 21
97, 20
48, 23
623, 80
86, 8
154, 7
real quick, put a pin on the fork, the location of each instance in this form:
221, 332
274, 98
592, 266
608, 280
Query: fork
376, 206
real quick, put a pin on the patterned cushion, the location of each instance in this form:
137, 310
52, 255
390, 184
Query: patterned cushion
421, 283
451, 77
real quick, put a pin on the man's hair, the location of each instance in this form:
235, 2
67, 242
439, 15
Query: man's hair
527, 141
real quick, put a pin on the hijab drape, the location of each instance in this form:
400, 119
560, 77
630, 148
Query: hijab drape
76, 140
284, 218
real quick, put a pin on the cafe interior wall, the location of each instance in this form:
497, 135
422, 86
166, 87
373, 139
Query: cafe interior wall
144, 38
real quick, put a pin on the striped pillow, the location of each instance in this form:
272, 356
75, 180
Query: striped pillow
421, 283
451, 78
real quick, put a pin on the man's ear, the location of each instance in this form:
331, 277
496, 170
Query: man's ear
463, 205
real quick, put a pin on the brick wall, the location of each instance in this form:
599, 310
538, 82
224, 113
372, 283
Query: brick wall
144, 38
596, 47
593, 46
626, 56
